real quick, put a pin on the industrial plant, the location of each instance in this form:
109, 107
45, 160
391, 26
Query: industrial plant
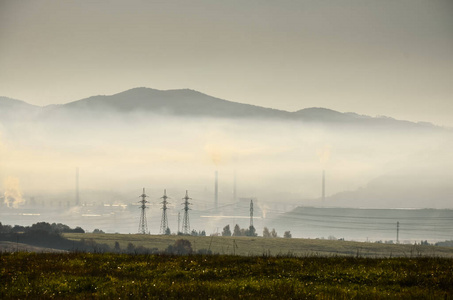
189, 216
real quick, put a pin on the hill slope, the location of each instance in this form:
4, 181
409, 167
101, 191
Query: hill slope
174, 102
12, 109
190, 103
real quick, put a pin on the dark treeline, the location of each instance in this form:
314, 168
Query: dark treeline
43, 234
44, 226
47, 235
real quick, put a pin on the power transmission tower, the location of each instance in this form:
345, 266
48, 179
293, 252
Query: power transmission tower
143, 226
251, 213
185, 220
164, 221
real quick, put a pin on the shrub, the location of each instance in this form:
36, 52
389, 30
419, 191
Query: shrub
274, 233
237, 231
251, 231
181, 247
226, 231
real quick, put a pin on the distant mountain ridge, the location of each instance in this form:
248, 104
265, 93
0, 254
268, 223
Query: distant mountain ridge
174, 102
190, 103
11, 109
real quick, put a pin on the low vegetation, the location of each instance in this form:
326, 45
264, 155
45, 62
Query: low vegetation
47, 236
94, 275
242, 245
98, 265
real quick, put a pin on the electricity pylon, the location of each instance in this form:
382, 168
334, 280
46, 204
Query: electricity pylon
142, 225
185, 220
164, 221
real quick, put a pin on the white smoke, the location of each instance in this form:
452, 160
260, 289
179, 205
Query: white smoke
324, 154
13, 195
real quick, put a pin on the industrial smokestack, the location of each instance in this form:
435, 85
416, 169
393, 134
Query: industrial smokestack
77, 187
323, 186
216, 190
234, 188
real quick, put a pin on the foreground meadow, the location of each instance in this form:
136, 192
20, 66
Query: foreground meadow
108, 276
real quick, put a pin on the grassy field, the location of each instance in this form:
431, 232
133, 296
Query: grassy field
121, 276
270, 246
15, 247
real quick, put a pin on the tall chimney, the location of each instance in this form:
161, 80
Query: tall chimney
323, 186
234, 188
77, 187
216, 188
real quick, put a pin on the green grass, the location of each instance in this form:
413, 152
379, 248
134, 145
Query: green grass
108, 276
270, 246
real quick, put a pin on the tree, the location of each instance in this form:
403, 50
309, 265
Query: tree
237, 230
167, 231
180, 247
117, 247
60, 227
266, 232
97, 231
130, 247
226, 231
251, 231
5, 228
44, 226
80, 230
274, 233
287, 234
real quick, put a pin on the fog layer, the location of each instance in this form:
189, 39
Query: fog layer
275, 161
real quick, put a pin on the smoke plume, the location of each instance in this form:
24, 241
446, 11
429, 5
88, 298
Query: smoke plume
13, 195
324, 154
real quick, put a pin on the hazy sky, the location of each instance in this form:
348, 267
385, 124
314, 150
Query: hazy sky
372, 57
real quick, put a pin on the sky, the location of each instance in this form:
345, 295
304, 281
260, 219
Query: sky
373, 57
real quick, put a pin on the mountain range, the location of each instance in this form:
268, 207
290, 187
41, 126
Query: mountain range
190, 103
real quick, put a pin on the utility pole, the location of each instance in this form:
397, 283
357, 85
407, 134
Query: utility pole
164, 221
185, 220
397, 232
143, 226
179, 221
251, 213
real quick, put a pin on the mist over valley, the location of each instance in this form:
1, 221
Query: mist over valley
177, 139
